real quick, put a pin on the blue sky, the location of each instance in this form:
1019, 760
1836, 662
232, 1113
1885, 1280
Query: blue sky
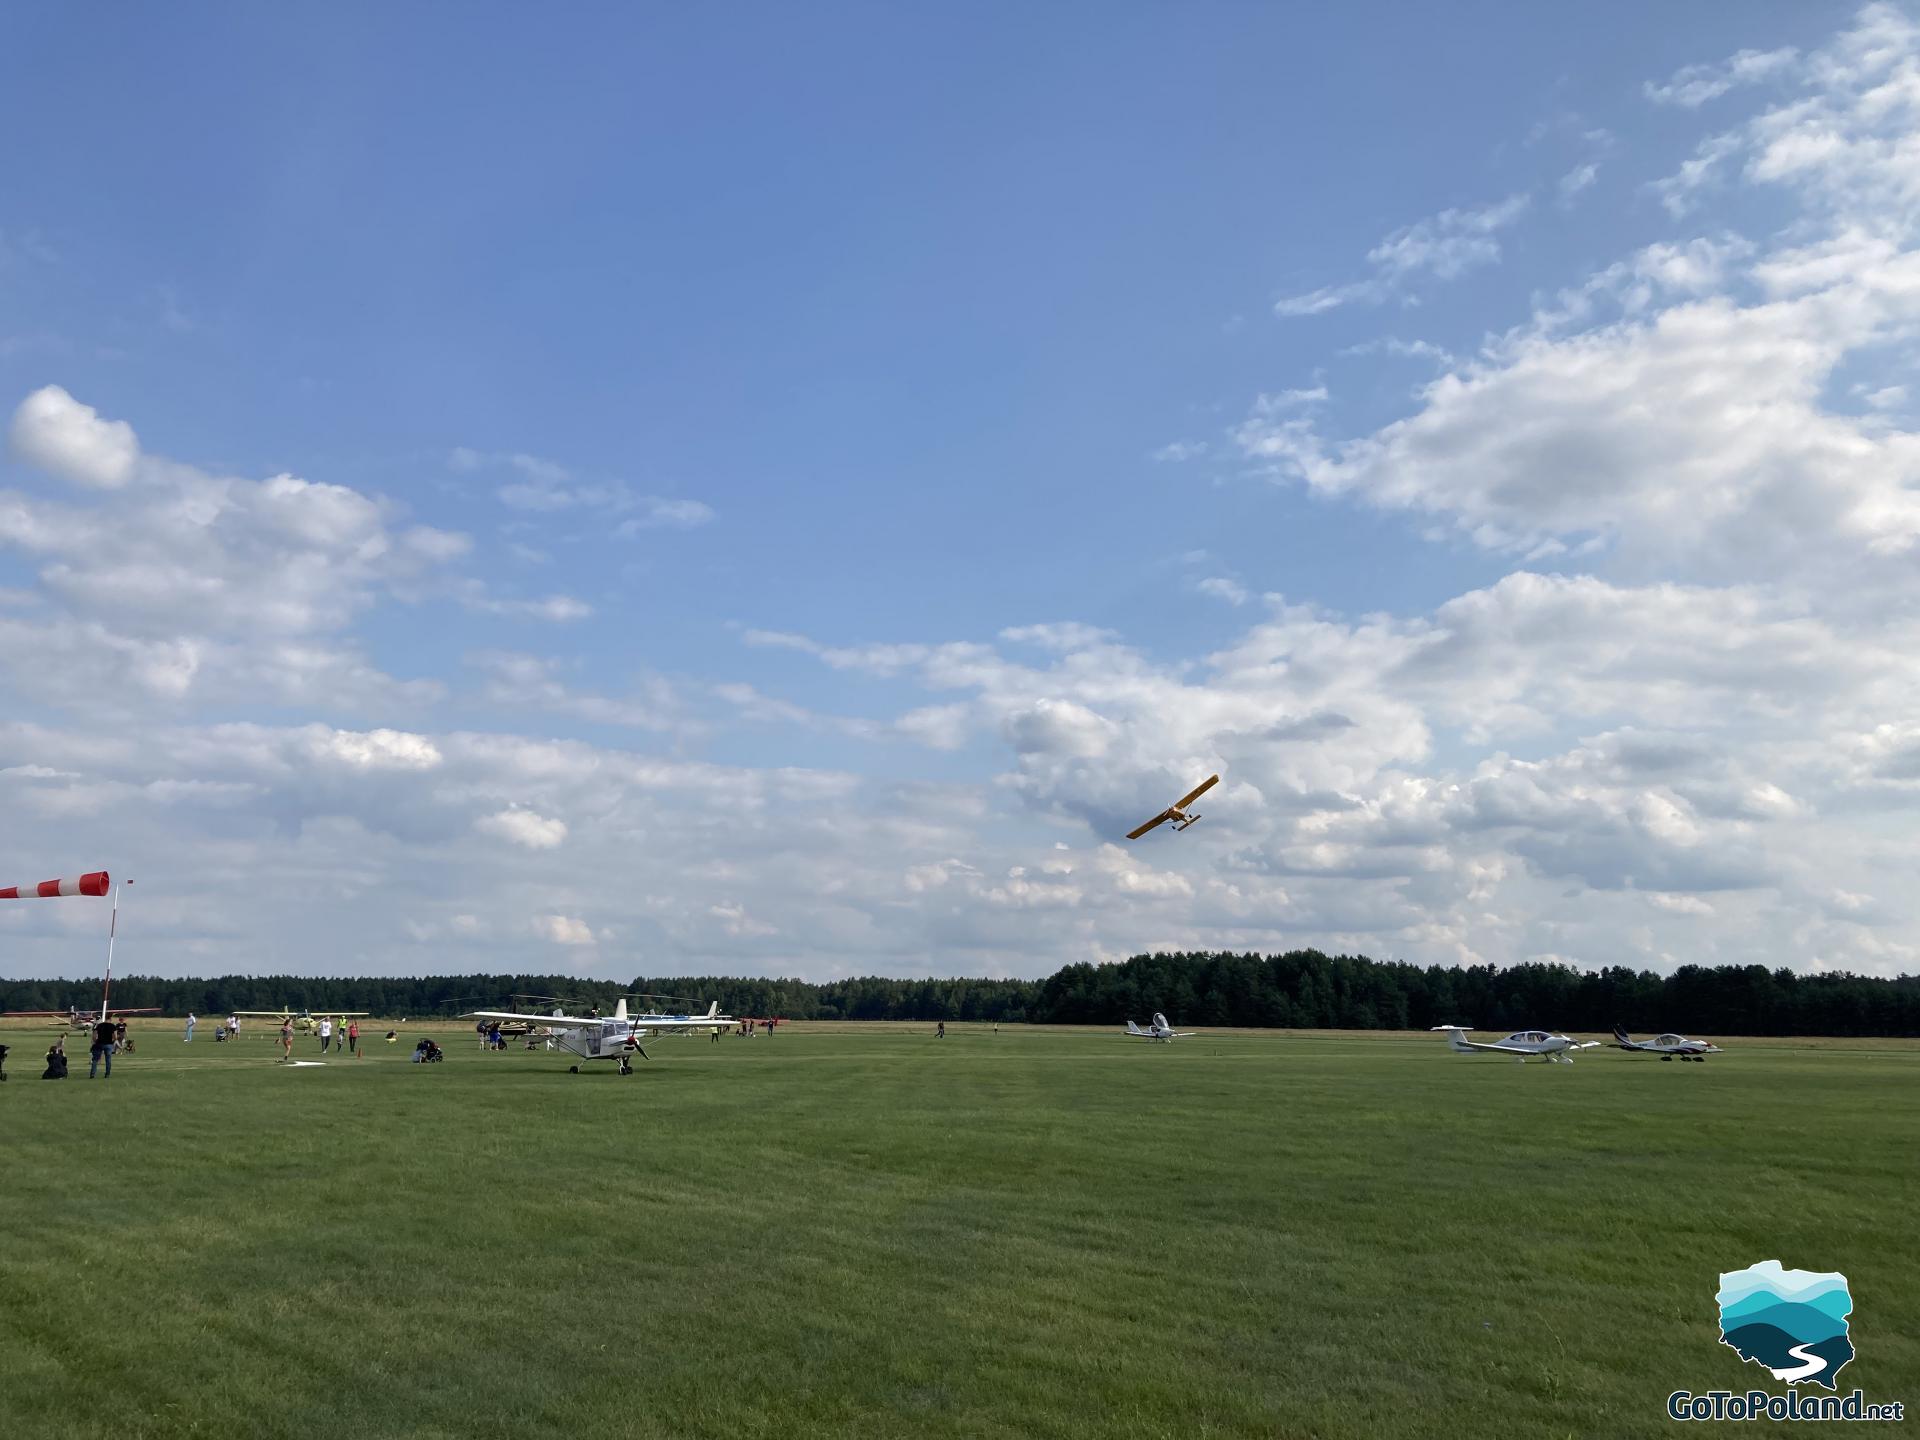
639, 375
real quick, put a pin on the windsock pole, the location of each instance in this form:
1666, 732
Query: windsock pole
113, 925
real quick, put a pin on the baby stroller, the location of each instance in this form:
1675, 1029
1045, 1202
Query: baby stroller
427, 1053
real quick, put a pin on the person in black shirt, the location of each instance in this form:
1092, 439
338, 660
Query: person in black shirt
104, 1035
56, 1061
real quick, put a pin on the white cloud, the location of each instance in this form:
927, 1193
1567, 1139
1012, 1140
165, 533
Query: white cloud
547, 486
1444, 246
55, 432
657, 513
373, 749
1222, 588
1694, 85
523, 827
1178, 451
1580, 178
564, 929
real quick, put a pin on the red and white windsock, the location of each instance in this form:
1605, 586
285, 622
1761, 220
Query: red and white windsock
93, 884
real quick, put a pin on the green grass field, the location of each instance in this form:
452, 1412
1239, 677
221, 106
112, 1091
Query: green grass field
865, 1231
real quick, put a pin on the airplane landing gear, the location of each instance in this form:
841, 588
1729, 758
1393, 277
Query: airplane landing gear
573, 1069
626, 1066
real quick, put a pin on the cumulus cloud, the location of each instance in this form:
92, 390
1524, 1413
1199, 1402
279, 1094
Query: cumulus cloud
56, 433
564, 929
199, 586
523, 827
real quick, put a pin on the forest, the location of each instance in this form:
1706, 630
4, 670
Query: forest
1301, 989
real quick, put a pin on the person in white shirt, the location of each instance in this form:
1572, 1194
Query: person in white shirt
326, 1034
192, 1019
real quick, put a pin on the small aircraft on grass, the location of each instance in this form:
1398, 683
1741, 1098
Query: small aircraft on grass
306, 1022
1667, 1047
1159, 1030
76, 1019
1522, 1043
1177, 812
616, 1037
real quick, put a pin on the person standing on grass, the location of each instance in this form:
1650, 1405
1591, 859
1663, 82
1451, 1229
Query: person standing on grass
102, 1049
191, 1019
286, 1038
940, 1031
353, 1037
326, 1034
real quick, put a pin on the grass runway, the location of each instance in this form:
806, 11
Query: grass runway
863, 1231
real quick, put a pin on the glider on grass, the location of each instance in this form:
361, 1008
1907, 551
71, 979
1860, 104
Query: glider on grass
615, 1038
1159, 1030
1177, 812
1521, 1044
1666, 1046
304, 1021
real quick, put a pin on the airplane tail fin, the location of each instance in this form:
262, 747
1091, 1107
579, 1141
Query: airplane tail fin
713, 1010
1620, 1034
620, 1010
1133, 1029
1456, 1037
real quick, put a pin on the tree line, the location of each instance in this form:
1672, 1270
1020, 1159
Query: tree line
1301, 989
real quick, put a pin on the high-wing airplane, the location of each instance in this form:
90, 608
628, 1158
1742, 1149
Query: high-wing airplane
76, 1018
1520, 1044
1177, 812
1159, 1030
304, 1021
616, 1038
1667, 1047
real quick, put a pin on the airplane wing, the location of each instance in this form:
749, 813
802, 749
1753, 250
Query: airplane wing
1197, 791
1494, 1045
699, 1022
1586, 1045
267, 1014
559, 1022
1159, 819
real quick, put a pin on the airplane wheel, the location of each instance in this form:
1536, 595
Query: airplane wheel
1665, 1058
573, 1069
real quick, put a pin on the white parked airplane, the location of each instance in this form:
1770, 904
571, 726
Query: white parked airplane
616, 1037
1666, 1046
1159, 1030
1520, 1044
